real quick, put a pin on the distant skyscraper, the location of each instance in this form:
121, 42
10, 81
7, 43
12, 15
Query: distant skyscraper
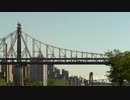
4, 71
50, 68
91, 78
65, 74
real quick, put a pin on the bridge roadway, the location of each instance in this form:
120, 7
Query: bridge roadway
24, 61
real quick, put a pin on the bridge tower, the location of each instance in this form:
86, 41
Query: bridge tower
19, 67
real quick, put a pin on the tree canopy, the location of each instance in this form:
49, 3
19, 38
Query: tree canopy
119, 66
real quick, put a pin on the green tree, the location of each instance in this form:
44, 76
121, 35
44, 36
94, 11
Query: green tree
126, 65
119, 66
115, 66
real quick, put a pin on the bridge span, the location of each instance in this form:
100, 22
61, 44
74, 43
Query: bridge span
18, 48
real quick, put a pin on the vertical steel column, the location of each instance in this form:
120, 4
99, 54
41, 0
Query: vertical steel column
11, 43
33, 47
27, 67
4, 67
53, 51
65, 54
59, 53
76, 54
4, 53
26, 56
71, 53
46, 51
19, 44
81, 54
40, 52
7, 66
26, 44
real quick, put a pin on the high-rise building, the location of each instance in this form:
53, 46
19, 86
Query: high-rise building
3, 69
26, 71
1, 74
51, 69
91, 78
86, 82
70, 81
73, 81
16, 74
38, 72
65, 74
6, 70
56, 73
10, 73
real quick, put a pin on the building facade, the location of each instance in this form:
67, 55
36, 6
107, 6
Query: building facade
38, 72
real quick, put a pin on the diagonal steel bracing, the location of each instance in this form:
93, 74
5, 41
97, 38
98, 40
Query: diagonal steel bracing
34, 48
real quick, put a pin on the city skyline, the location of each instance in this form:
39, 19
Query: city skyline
95, 32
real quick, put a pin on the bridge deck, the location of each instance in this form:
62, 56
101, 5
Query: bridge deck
55, 61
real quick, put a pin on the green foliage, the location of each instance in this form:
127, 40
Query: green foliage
51, 82
36, 83
26, 82
32, 83
57, 82
119, 66
2, 82
11, 84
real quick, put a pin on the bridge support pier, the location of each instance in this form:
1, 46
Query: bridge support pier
18, 77
45, 75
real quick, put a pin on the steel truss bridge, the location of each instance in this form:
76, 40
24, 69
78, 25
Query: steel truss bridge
101, 81
19, 48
